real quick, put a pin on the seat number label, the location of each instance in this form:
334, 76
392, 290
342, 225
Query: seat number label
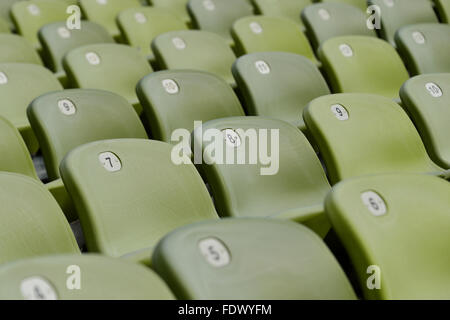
66, 107
433, 89
340, 112
37, 288
262, 67
374, 203
3, 78
214, 252
110, 161
232, 139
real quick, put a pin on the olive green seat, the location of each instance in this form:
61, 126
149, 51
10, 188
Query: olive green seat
218, 15
107, 66
278, 85
4, 26
262, 259
261, 34
65, 120
14, 48
361, 64
361, 4
5, 8
30, 16
57, 41
16, 159
426, 98
139, 26
177, 7
443, 9
290, 184
400, 13
425, 48
100, 278
196, 50
362, 134
20, 83
289, 9
31, 222
328, 20
395, 229
175, 99
105, 12
129, 194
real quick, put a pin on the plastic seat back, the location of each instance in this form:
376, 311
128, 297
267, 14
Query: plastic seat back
14, 48
177, 7
290, 9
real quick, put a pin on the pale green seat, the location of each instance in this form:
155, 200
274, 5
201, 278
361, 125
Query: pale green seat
328, 20
31, 222
402, 13
65, 120
443, 9
16, 159
199, 96
218, 16
5, 8
427, 100
14, 48
361, 64
196, 50
101, 278
278, 85
246, 259
261, 34
129, 194
30, 16
289, 9
20, 83
57, 41
105, 12
361, 4
292, 186
425, 48
110, 67
139, 26
408, 242
177, 7
362, 134
4, 26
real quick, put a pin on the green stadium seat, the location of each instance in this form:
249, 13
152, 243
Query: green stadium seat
361, 4
177, 7
261, 34
104, 12
101, 278
196, 50
5, 8
443, 9
4, 26
14, 48
289, 9
30, 16
57, 41
361, 134
425, 48
261, 259
395, 227
360, 64
20, 83
110, 67
293, 186
328, 20
175, 99
139, 26
31, 222
399, 13
67, 119
278, 84
427, 102
129, 194
218, 15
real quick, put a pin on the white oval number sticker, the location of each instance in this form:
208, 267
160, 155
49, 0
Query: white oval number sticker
256, 27
66, 107
64, 33
140, 17
232, 139
209, 5
262, 67
214, 252
3, 78
374, 203
37, 288
34, 10
170, 86
324, 14
433, 89
93, 58
346, 50
179, 43
418, 37
340, 112
110, 161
